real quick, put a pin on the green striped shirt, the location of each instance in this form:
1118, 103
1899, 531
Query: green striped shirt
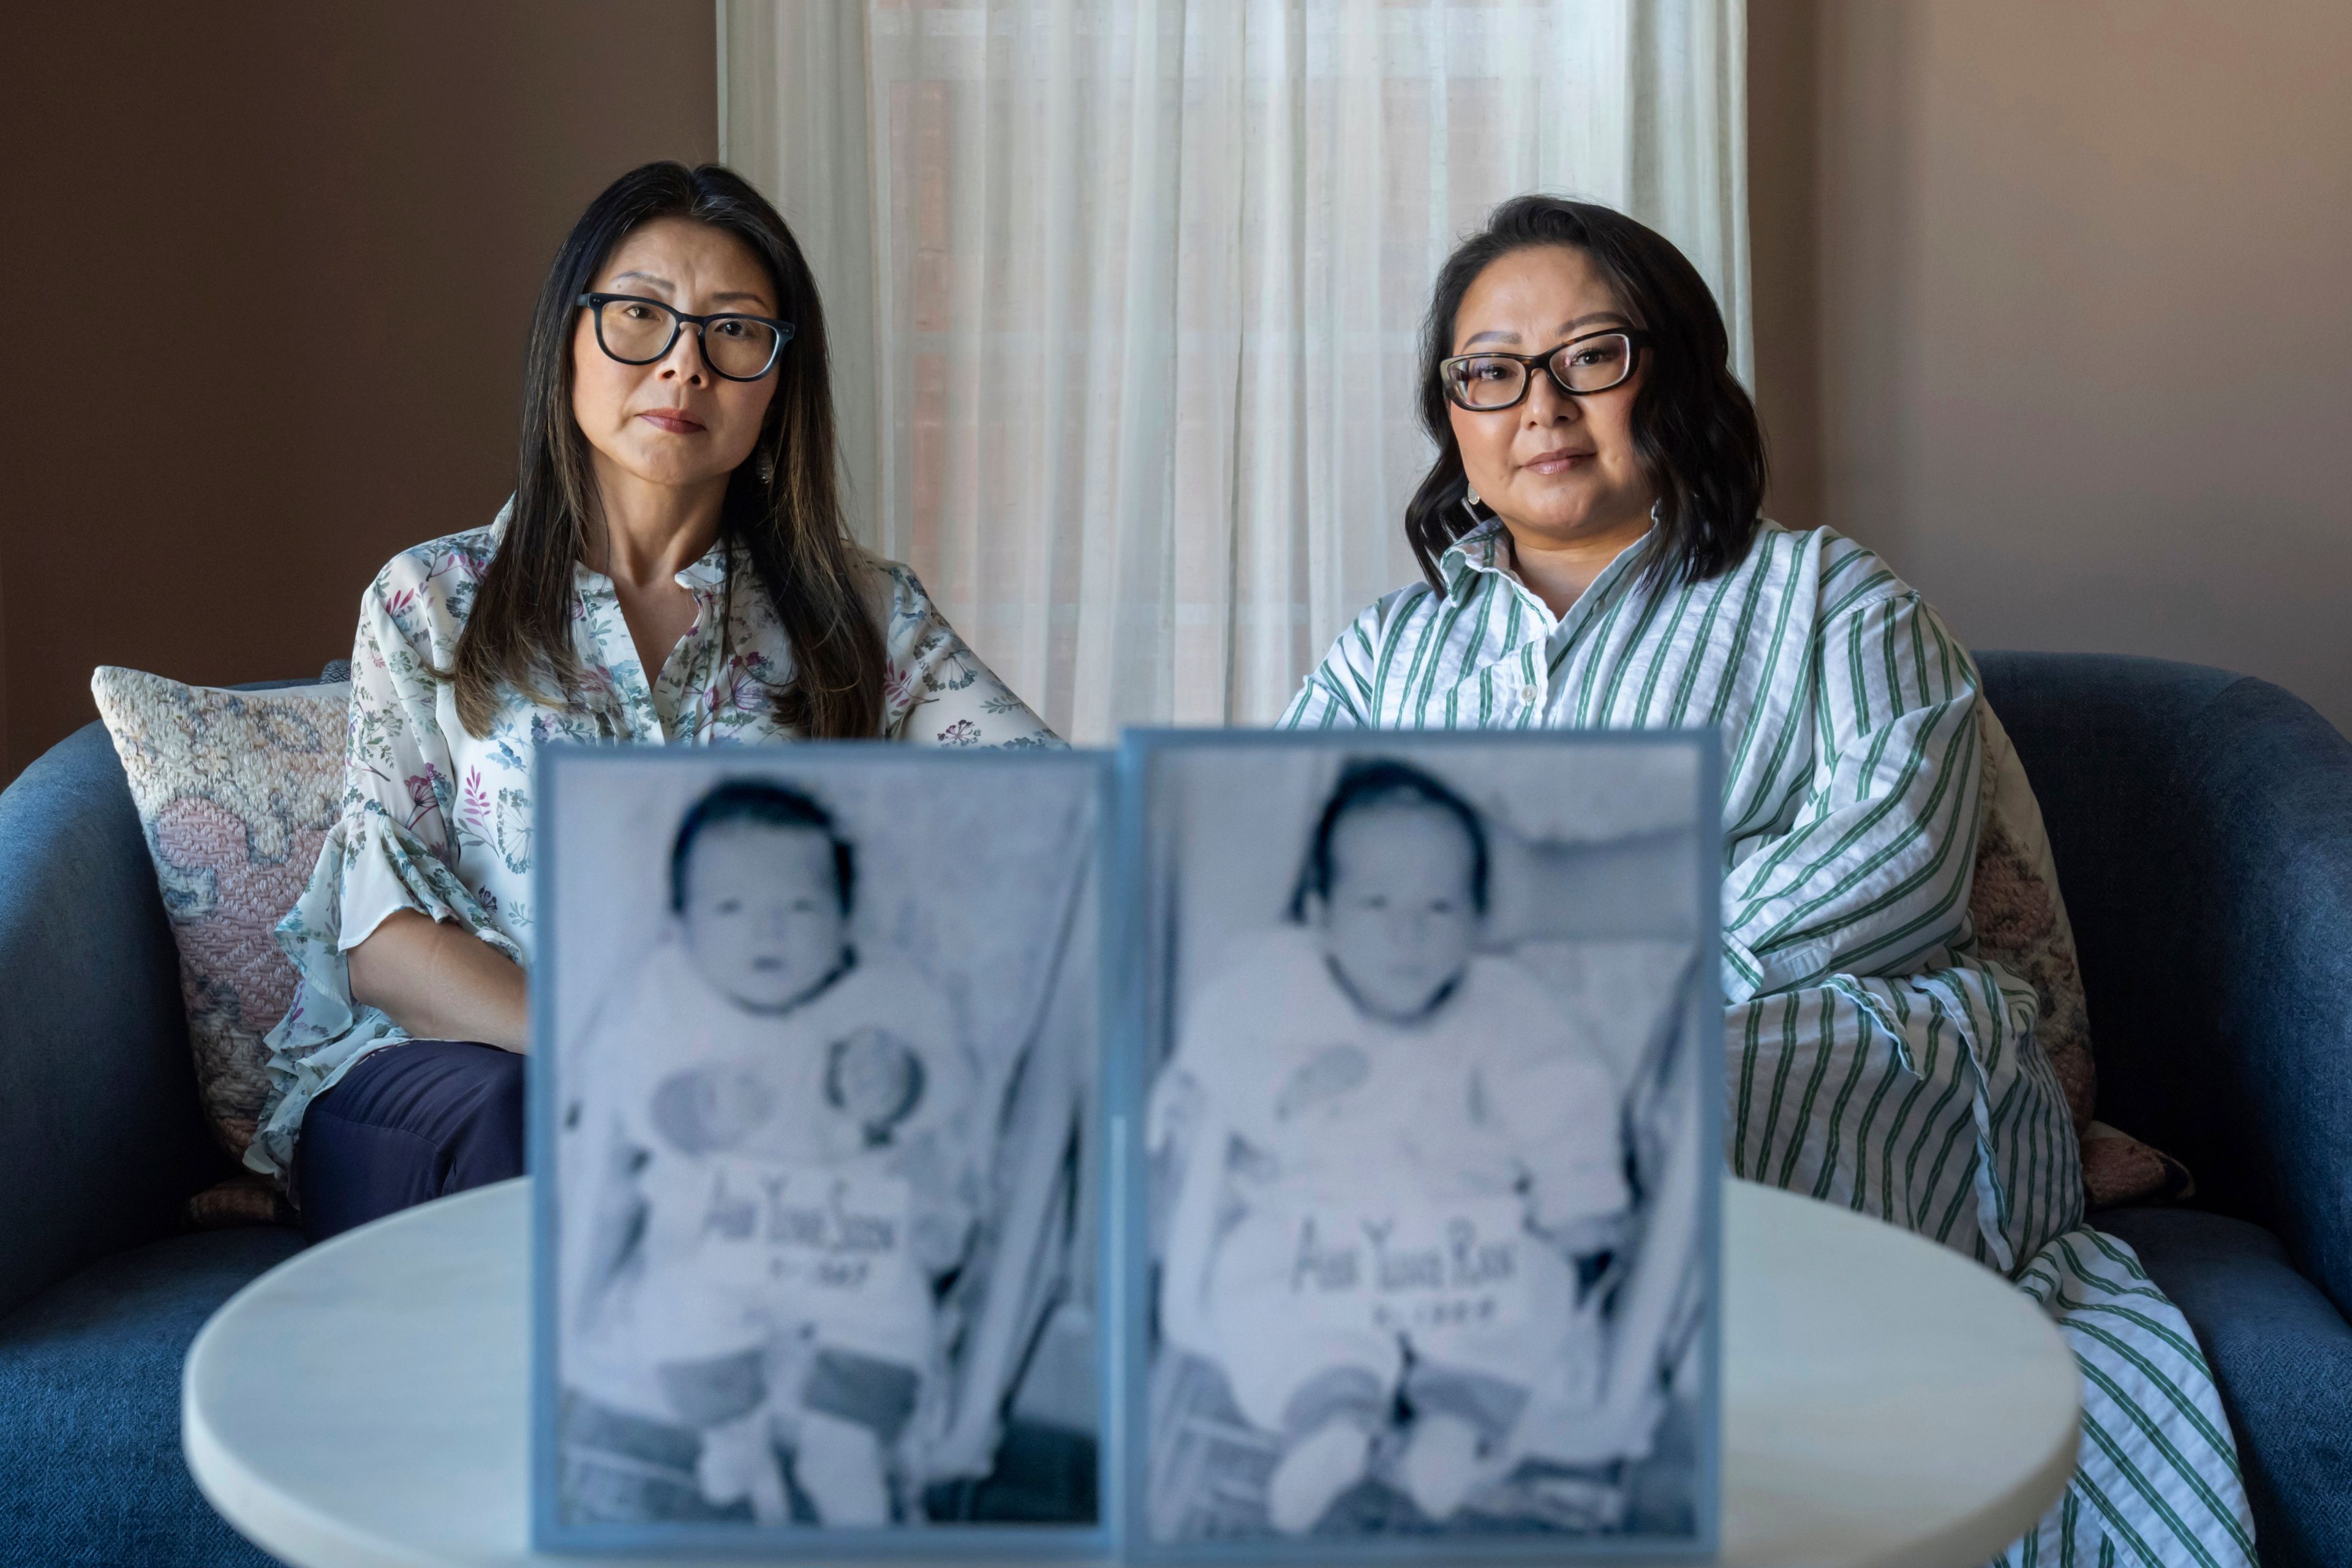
1875, 1062
1874, 1059
1848, 716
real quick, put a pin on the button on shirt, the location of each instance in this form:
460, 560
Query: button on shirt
436, 820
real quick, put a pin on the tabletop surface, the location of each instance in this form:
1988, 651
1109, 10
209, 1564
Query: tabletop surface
1886, 1402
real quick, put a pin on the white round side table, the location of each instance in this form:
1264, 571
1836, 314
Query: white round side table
1886, 1403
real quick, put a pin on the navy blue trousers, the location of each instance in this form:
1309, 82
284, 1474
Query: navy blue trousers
408, 1123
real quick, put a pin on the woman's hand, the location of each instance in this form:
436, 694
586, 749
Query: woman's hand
441, 982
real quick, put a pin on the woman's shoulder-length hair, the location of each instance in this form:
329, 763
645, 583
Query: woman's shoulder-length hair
780, 520
1695, 429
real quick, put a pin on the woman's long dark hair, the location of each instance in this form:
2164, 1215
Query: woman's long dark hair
1694, 430
788, 529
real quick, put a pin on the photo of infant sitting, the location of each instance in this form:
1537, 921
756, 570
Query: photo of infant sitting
783, 1186
1387, 1184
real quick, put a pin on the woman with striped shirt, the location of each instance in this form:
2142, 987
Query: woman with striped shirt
1593, 555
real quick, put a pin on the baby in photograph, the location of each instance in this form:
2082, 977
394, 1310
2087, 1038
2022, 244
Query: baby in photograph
1395, 1171
787, 1179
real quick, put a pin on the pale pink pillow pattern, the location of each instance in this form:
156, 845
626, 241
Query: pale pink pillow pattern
236, 790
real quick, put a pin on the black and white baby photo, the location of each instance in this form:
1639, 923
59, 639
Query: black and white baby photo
824, 1038
1423, 1139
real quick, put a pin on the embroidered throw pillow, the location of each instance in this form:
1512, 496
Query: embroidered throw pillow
2021, 923
235, 789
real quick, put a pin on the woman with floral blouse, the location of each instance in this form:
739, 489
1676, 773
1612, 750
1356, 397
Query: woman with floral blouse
672, 569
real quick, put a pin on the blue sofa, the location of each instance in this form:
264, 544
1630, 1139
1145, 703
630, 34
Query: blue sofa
2202, 823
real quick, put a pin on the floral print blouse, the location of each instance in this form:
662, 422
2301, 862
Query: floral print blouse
438, 821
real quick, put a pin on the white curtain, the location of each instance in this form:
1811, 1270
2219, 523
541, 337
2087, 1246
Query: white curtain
1123, 294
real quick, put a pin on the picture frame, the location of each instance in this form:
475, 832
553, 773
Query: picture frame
1009, 1392
1207, 818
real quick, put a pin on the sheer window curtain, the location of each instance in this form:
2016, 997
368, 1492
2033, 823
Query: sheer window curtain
1123, 294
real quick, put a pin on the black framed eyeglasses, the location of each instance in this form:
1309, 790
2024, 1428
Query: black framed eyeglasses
638, 330
1487, 382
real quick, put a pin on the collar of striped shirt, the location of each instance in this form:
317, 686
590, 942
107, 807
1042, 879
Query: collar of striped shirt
1486, 552
1485, 548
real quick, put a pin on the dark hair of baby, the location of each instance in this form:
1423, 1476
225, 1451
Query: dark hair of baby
759, 803
1383, 781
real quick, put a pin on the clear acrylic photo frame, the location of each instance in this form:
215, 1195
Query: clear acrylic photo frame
1132, 1012
560, 770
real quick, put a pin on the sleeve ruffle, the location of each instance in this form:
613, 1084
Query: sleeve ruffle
387, 868
368, 868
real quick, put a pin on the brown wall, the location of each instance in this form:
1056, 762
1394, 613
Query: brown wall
2055, 306
273, 265
2051, 306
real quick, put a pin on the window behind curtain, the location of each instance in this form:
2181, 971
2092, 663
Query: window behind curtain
1124, 294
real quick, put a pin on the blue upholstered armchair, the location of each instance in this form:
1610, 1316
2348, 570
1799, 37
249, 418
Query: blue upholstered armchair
2203, 826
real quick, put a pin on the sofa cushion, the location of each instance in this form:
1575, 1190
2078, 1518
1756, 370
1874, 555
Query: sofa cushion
2282, 1356
2020, 923
234, 792
91, 1469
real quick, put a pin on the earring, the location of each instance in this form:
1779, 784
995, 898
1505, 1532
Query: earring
1470, 502
766, 467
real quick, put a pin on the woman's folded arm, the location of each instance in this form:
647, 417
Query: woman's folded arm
441, 982
1873, 876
